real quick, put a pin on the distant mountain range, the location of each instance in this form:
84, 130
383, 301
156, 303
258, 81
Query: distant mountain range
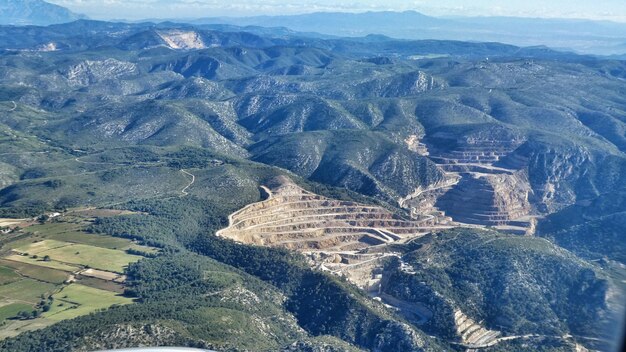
581, 36
34, 12
584, 36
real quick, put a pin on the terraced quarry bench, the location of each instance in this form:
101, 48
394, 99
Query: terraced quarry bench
485, 192
296, 219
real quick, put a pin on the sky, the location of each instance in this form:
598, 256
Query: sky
613, 10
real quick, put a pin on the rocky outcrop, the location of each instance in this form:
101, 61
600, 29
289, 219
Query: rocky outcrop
132, 335
183, 40
472, 333
556, 173
89, 72
407, 84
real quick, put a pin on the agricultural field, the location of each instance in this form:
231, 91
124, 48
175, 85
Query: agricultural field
55, 270
10, 310
7, 275
86, 255
75, 300
39, 262
10, 222
73, 232
53, 276
25, 290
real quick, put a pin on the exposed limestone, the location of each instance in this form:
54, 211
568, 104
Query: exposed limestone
414, 144
183, 40
472, 334
476, 191
48, 47
131, 335
343, 237
415, 312
488, 199
88, 72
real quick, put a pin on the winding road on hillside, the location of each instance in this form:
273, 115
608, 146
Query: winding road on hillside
193, 180
528, 336
97, 162
24, 153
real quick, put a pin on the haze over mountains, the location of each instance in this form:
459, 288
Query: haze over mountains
594, 37
583, 36
34, 12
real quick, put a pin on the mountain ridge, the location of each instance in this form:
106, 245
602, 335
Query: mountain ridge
602, 38
35, 12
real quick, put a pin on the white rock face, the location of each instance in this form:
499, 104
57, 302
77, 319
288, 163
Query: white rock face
473, 333
182, 40
88, 71
48, 47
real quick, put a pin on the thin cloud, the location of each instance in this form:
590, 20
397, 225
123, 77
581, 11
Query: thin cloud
135, 9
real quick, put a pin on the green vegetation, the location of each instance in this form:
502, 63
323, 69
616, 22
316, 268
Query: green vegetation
39, 247
36, 272
7, 275
34, 289
12, 309
42, 263
75, 300
514, 284
174, 288
71, 232
593, 231
176, 280
26, 290
95, 257
332, 163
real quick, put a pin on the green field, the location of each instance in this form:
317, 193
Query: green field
76, 300
73, 232
38, 247
36, 272
7, 275
11, 310
26, 278
25, 290
93, 240
81, 254
40, 262
95, 257
16, 327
